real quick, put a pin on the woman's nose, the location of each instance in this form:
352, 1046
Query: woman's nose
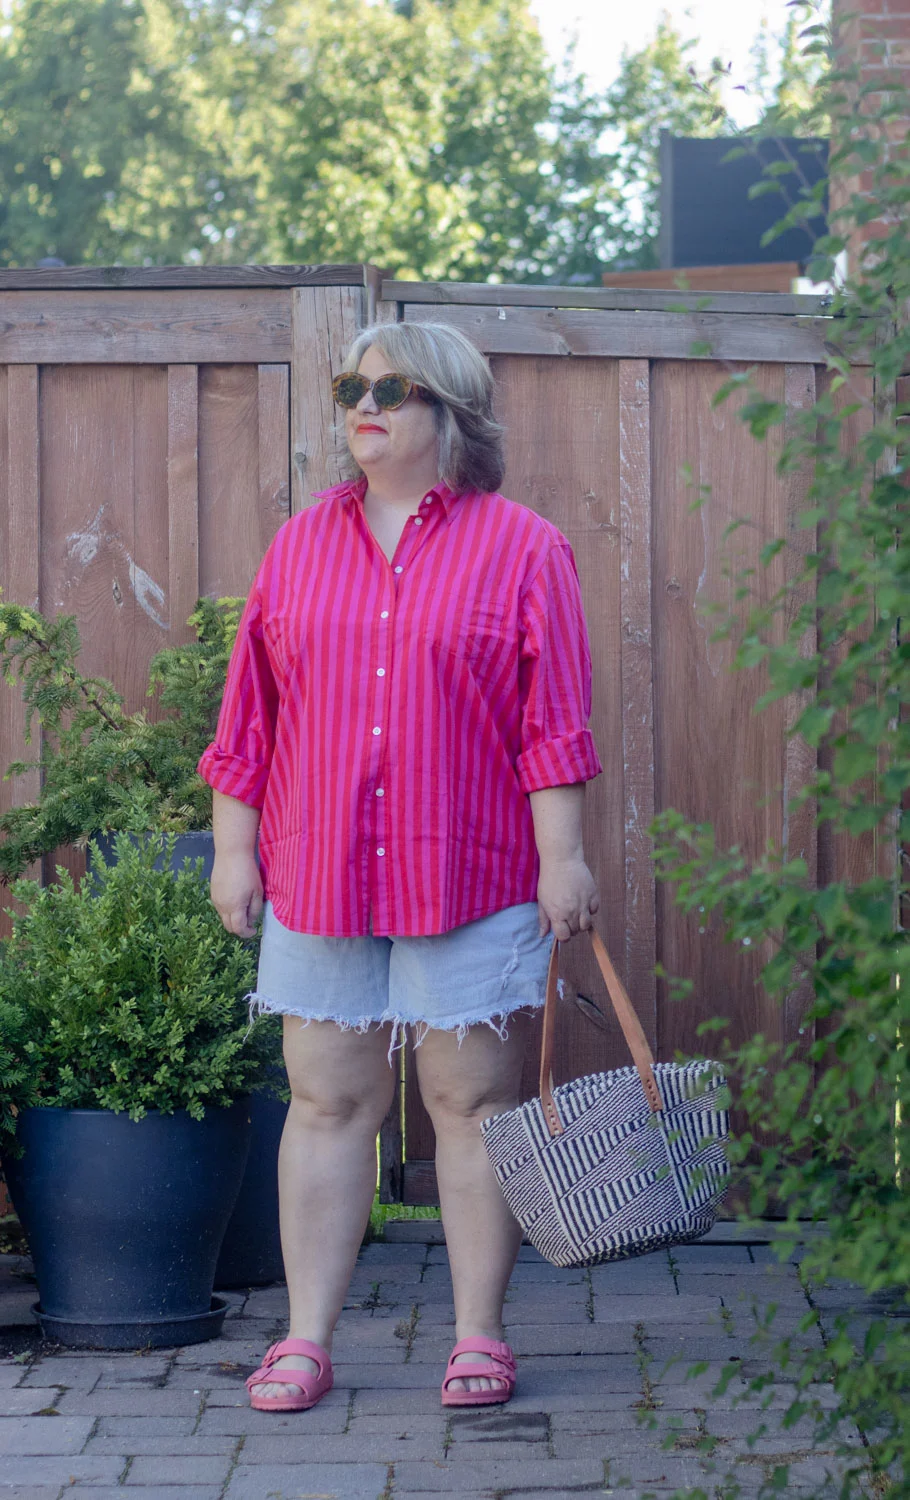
368, 403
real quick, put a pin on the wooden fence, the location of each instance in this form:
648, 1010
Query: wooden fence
156, 427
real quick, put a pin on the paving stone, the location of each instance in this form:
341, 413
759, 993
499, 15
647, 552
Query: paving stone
210, 1469
133, 1401
470, 1425
389, 1356
605, 1420
10, 1375
710, 1257
509, 1474
759, 1287
270, 1302
210, 1377
65, 1469
78, 1374
145, 1427
246, 1350
501, 1449
665, 1307
32, 1491
379, 1254
168, 1444
412, 1376
24, 1436
402, 1426
148, 1492
350, 1448
582, 1338
542, 1310
25, 1402
290, 1481
242, 1420
633, 1275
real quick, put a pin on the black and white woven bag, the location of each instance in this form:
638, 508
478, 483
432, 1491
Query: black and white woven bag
618, 1163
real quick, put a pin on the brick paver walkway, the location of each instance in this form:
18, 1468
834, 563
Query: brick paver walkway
596, 1352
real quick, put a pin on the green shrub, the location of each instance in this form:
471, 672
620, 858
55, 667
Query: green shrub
128, 993
98, 763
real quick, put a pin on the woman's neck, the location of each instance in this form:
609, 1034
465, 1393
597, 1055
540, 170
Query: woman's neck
399, 491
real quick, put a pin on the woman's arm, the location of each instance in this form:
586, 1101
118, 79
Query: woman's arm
567, 896
236, 884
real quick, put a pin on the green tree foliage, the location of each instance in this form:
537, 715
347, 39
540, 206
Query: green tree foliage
827, 1114
431, 137
81, 98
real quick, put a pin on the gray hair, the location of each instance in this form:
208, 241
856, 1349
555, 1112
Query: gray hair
449, 365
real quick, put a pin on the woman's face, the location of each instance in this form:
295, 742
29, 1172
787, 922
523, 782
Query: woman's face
402, 439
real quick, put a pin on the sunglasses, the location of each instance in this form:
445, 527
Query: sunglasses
389, 391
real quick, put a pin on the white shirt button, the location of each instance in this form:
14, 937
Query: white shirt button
384, 615
399, 569
380, 671
418, 520
377, 730
380, 851
380, 791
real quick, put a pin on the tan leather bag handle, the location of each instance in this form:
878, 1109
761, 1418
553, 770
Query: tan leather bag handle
636, 1040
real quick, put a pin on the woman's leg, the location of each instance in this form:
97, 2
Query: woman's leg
460, 1087
341, 1089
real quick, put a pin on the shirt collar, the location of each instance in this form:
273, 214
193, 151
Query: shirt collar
353, 490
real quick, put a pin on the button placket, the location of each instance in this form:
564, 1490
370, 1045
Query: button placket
375, 830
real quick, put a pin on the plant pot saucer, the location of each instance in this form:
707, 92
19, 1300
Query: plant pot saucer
150, 1333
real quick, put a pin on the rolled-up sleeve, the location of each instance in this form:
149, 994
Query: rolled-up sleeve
238, 760
557, 748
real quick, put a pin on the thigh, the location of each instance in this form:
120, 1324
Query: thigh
341, 1072
482, 1075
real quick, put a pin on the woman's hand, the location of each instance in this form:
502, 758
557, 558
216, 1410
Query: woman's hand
567, 897
236, 888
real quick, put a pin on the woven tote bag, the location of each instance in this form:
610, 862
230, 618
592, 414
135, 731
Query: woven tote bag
615, 1164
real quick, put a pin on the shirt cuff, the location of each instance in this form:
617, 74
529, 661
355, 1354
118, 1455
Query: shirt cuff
234, 775
560, 762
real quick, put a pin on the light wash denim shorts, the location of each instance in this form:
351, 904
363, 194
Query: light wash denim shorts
480, 972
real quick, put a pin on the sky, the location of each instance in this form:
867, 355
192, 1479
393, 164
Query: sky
725, 27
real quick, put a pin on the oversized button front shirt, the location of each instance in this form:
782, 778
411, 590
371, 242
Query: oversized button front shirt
390, 719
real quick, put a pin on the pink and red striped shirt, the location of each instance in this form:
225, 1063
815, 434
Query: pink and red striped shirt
389, 719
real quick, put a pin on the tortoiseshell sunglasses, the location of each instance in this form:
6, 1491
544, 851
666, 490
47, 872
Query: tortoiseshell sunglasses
389, 391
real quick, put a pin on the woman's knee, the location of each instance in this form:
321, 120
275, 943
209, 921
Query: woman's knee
338, 1079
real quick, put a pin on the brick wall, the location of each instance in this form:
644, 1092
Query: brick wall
875, 34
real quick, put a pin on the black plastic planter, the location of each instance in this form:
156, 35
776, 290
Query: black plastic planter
125, 1220
251, 1252
197, 845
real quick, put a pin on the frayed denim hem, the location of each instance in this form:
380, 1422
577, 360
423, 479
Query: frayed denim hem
260, 1005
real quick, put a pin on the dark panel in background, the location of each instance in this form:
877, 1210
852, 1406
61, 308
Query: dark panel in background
707, 217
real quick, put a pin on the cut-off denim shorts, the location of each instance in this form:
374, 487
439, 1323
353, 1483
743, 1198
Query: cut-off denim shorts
483, 971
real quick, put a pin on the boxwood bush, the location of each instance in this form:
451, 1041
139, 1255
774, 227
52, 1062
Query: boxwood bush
127, 993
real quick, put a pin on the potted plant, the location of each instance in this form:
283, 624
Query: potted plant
103, 770
127, 1064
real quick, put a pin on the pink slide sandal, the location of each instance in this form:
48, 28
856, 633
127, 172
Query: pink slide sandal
312, 1387
501, 1367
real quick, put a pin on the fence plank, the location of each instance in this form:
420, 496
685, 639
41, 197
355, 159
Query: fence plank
146, 327
182, 498
232, 536
274, 444
632, 335
800, 834
637, 685
20, 531
116, 278
325, 321
479, 294
716, 762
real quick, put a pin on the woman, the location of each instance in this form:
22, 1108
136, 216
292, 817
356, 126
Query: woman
406, 711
